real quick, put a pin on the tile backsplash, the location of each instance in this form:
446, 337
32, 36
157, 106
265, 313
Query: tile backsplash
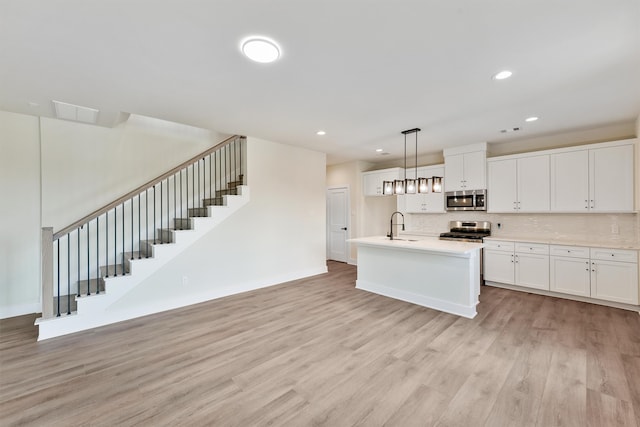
596, 227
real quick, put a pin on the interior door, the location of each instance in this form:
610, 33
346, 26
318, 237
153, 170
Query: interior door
337, 224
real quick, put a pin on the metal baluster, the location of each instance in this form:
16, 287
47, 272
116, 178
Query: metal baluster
139, 228
193, 186
58, 279
132, 229
241, 146
175, 212
154, 215
97, 254
146, 218
123, 272
187, 189
78, 281
161, 239
210, 168
168, 204
68, 273
106, 242
88, 260
198, 195
115, 242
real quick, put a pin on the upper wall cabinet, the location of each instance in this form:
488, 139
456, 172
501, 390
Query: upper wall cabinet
596, 178
519, 184
465, 168
372, 181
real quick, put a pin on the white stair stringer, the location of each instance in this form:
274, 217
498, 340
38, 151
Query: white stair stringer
93, 310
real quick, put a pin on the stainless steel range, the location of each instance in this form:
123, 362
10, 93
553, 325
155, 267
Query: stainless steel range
467, 231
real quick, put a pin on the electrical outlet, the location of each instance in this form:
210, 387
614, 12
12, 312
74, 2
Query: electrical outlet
185, 280
615, 229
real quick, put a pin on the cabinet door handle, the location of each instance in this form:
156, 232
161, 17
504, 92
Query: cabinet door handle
511, 258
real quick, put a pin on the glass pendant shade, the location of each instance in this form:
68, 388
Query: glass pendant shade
410, 186
387, 188
398, 186
423, 185
437, 184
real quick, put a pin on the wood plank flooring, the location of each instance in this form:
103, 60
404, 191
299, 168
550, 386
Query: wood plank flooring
320, 352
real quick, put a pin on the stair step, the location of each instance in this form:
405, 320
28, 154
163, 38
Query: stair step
94, 285
113, 271
214, 201
67, 305
182, 224
197, 212
227, 192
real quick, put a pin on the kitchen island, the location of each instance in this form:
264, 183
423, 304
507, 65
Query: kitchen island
439, 274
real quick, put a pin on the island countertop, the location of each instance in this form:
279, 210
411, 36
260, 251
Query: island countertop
421, 243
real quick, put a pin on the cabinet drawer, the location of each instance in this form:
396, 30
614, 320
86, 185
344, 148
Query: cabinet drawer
569, 251
532, 248
614, 255
499, 245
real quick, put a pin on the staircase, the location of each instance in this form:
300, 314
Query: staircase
91, 264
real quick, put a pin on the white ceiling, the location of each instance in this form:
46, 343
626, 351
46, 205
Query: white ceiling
362, 70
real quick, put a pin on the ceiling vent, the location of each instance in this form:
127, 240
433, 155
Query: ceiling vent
509, 130
75, 113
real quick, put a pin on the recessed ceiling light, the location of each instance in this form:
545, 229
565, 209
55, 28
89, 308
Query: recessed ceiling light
531, 119
505, 74
321, 132
260, 49
379, 150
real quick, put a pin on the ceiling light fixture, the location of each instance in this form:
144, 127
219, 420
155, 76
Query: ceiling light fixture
321, 132
531, 119
260, 49
505, 74
412, 185
378, 150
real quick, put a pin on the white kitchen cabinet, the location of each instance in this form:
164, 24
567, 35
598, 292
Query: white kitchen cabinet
570, 275
614, 275
372, 181
465, 171
519, 184
611, 179
521, 264
498, 266
532, 265
426, 202
593, 180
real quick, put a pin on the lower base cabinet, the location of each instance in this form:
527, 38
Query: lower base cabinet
522, 264
599, 273
570, 276
614, 281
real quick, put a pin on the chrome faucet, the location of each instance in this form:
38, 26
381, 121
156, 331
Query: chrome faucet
391, 224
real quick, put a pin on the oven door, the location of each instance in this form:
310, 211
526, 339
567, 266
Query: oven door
460, 201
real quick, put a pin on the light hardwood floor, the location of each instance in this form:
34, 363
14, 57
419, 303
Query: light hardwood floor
319, 352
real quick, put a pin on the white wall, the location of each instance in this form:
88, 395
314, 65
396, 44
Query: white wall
19, 214
87, 166
278, 236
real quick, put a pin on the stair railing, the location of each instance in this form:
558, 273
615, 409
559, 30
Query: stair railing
77, 257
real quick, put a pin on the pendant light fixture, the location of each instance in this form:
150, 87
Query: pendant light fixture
416, 184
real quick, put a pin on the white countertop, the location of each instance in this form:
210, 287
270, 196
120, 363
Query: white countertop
568, 242
420, 243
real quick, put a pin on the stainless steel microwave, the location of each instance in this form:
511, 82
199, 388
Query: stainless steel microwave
466, 200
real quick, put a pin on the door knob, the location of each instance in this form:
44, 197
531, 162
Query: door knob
343, 228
